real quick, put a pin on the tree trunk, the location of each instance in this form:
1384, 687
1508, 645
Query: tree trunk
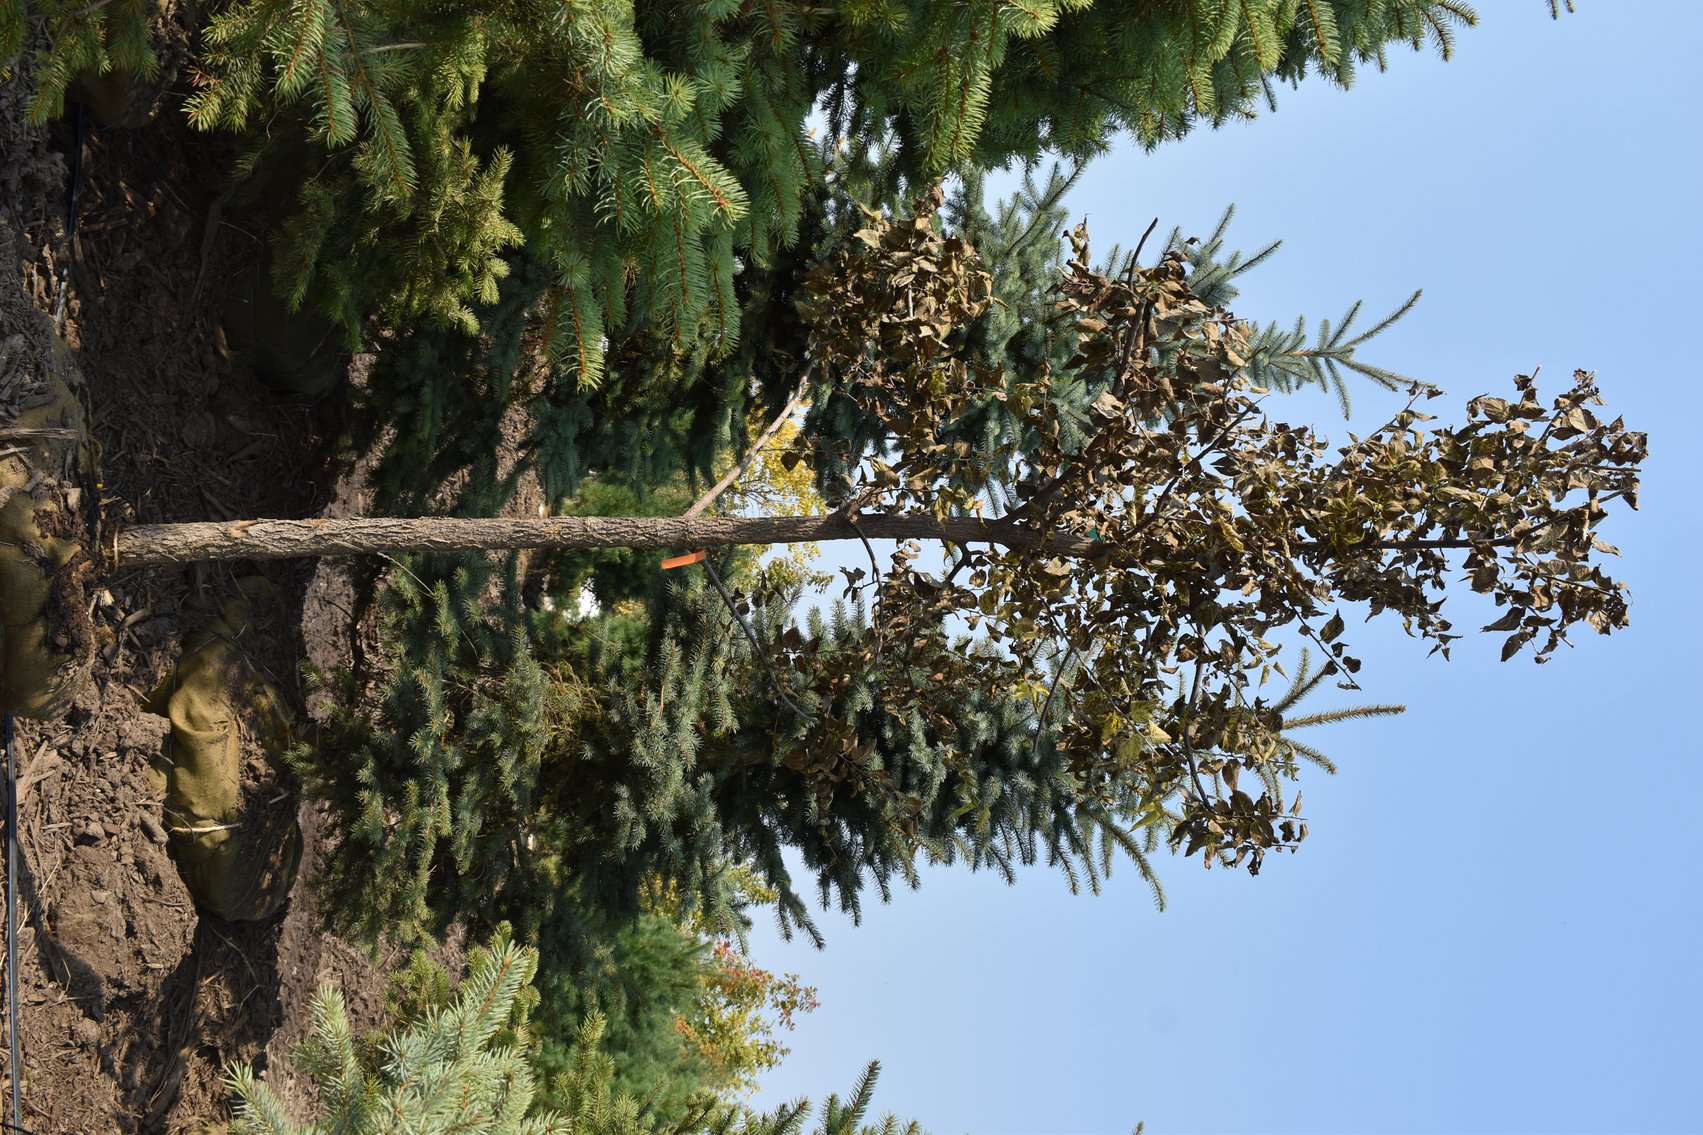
158, 545
153, 545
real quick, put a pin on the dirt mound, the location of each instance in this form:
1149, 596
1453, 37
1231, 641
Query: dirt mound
131, 1001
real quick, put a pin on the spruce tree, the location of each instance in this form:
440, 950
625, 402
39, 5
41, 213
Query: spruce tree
686, 1016
459, 1059
644, 984
460, 1067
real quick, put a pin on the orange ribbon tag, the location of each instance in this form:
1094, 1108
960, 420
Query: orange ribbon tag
696, 557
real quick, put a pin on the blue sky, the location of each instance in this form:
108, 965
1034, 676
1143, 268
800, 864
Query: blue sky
1493, 925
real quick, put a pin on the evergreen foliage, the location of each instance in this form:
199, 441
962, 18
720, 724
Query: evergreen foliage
456, 787
459, 1067
658, 143
686, 1015
80, 38
643, 985
639, 180
669, 773
1280, 359
459, 1060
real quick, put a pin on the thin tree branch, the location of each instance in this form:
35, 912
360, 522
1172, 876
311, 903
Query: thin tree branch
756, 644
875, 582
1135, 257
1192, 463
1047, 706
732, 476
1188, 720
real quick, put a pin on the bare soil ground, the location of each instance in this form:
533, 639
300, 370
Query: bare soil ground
133, 1004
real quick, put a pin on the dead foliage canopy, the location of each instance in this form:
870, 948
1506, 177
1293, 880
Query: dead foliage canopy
1162, 534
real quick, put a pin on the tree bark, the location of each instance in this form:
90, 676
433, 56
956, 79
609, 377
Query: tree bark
158, 545
154, 545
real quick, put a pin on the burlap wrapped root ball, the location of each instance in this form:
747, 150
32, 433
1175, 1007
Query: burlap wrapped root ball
231, 826
46, 489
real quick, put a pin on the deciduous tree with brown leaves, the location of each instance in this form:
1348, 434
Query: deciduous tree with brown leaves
1126, 566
